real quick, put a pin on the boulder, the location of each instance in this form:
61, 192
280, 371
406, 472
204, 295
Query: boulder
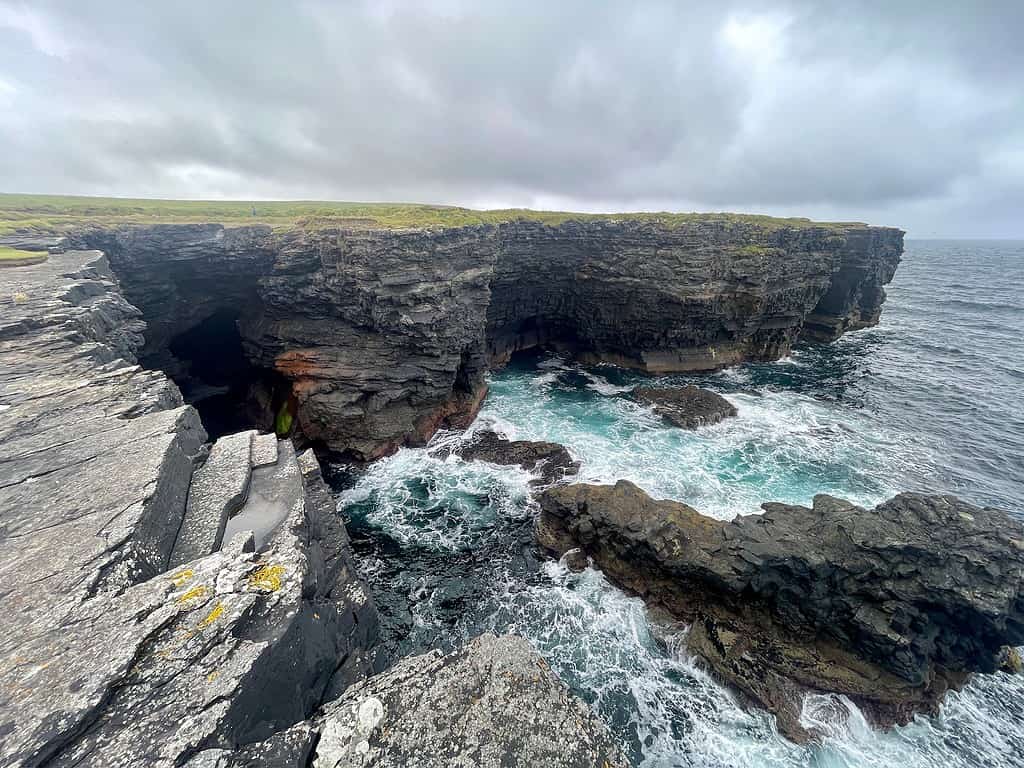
551, 460
891, 607
687, 407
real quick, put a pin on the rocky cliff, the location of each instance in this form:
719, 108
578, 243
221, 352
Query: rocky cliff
168, 602
372, 339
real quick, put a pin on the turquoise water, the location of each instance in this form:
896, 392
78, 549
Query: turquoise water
927, 401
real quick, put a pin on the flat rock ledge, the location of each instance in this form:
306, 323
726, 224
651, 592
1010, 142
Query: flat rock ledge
551, 461
166, 603
891, 607
491, 704
687, 407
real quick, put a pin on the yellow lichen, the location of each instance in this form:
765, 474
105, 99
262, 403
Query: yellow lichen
213, 615
182, 577
198, 592
212, 676
20, 297
267, 578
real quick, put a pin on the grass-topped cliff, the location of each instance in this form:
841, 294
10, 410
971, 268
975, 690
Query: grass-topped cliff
46, 214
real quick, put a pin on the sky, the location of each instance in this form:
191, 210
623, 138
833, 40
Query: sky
894, 112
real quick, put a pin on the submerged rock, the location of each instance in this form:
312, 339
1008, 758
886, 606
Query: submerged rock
891, 607
552, 460
687, 407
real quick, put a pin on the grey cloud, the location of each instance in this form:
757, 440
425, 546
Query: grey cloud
884, 110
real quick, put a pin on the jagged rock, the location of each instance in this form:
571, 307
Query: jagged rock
552, 460
493, 703
687, 407
699, 296
107, 657
891, 606
380, 337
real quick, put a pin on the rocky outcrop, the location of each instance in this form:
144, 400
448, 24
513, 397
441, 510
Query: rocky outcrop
377, 336
890, 607
854, 298
167, 603
696, 296
372, 339
110, 656
494, 703
551, 461
687, 407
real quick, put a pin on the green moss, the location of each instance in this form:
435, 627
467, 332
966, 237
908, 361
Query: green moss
283, 421
55, 214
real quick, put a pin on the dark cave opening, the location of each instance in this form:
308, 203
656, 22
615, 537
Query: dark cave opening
210, 367
536, 332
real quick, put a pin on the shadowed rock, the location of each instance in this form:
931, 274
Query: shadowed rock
687, 407
376, 338
552, 460
891, 606
107, 657
493, 704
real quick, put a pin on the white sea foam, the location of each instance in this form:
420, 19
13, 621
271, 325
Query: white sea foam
783, 446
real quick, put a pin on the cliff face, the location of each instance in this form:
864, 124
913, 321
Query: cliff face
375, 338
166, 605
690, 298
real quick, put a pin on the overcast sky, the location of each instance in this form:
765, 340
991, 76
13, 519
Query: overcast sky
893, 112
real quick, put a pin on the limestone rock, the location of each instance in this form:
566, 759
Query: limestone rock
493, 703
687, 407
891, 606
108, 658
378, 338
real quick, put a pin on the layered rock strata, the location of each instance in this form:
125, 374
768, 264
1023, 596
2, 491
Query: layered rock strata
461, 710
891, 607
166, 602
373, 339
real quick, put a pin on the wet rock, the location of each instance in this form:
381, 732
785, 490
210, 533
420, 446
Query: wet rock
687, 407
1010, 661
575, 560
891, 607
551, 460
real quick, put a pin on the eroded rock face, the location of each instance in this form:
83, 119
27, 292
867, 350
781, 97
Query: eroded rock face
687, 407
493, 703
552, 461
697, 297
374, 339
110, 656
890, 606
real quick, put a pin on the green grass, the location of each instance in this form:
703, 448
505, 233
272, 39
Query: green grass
44, 214
14, 257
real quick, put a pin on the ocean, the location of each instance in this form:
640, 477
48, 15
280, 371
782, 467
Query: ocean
930, 400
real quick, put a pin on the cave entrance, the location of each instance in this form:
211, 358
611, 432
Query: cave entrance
210, 367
